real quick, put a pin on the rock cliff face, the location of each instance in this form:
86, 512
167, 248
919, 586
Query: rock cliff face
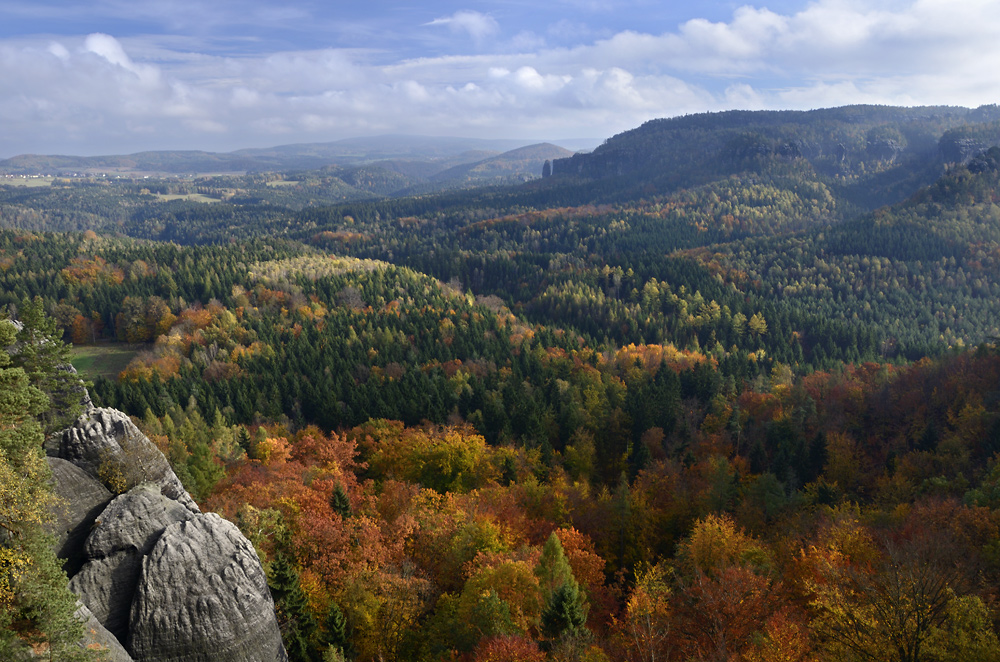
121, 537
158, 579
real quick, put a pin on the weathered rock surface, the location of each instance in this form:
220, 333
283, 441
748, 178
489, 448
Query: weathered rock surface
153, 572
82, 390
81, 500
94, 634
107, 439
124, 533
203, 597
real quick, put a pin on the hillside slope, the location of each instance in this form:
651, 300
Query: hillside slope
875, 155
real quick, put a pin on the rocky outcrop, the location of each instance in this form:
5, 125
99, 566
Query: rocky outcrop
107, 445
158, 579
85, 400
80, 499
203, 596
884, 149
957, 149
123, 534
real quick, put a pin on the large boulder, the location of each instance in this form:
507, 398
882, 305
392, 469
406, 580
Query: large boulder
123, 534
203, 597
107, 445
80, 499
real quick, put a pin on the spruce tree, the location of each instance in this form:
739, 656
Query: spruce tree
565, 613
553, 569
339, 502
295, 619
565, 610
243, 439
335, 635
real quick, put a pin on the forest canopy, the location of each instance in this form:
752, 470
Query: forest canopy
727, 390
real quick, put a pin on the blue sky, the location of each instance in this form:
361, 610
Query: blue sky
119, 76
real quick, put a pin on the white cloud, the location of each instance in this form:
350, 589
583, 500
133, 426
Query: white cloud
526, 41
57, 49
108, 47
476, 24
101, 94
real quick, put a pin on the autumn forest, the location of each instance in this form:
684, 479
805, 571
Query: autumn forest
726, 388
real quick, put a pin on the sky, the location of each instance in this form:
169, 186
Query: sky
121, 76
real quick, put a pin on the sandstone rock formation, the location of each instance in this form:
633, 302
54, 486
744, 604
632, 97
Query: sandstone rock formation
158, 579
95, 634
106, 444
203, 596
123, 534
81, 498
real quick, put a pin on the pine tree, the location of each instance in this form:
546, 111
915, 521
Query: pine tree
43, 355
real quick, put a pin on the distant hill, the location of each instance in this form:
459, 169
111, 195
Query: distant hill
521, 162
171, 163
375, 179
414, 156
475, 168
377, 148
425, 169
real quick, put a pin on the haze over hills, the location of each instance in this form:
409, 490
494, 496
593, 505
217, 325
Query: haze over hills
422, 156
872, 153
525, 161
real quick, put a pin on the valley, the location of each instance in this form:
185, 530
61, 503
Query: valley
725, 387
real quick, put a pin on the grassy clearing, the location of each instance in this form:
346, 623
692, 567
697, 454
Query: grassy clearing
93, 361
27, 182
193, 197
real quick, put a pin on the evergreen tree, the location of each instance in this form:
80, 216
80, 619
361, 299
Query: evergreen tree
565, 613
43, 355
553, 569
339, 502
335, 630
36, 606
243, 439
296, 621
205, 472
565, 610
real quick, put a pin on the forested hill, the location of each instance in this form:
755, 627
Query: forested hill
732, 394
874, 152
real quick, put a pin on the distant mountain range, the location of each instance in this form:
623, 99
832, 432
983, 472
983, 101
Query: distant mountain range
422, 159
